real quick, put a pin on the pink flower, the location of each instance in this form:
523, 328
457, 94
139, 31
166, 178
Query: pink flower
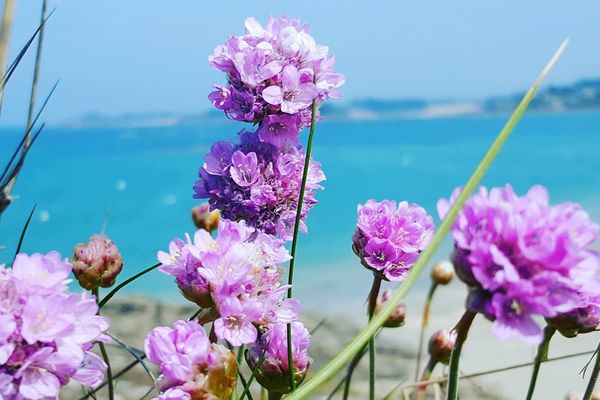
292, 95
235, 324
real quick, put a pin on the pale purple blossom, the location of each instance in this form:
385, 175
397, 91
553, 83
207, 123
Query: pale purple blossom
190, 366
389, 239
46, 332
524, 258
278, 69
237, 275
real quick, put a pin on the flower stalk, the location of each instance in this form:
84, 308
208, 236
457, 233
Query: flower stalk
541, 356
372, 303
109, 377
354, 347
422, 390
295, 238
424, 325
462, 330
589, 391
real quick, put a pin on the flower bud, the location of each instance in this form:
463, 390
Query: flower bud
97, 263
396, 318
221, 374
273, 372
204, 218
442, 273
574, 322
441, 345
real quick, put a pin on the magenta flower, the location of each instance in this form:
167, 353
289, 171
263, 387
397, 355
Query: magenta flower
388, 239
190, 366
524, 258
273, 373
46, 333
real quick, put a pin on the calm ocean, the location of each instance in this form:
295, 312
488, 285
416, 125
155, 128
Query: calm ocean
142, 179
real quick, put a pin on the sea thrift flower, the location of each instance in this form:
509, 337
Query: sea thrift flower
276, 70
190, 366
46, 332
523, 258
273, 372
396, 318
204, 218
259, 183
237, 275
97, 263
441, 345
388, 239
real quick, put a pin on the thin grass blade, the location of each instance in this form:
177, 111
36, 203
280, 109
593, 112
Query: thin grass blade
24, 230
371, 329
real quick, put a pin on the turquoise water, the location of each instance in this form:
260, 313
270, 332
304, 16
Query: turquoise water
142, 179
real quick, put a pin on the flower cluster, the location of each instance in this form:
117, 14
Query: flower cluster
388, 239
522, 258
237, 275
190, 366
274, 74
269, 357
258, 183
46, 332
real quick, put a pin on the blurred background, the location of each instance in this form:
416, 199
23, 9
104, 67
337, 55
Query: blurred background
428, 86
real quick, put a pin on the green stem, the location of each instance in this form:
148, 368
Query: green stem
589, 391
542, 355
422, 390
462, 329
351, 367
424, 325
125, 283
372, 303
109, 377
295, 238
275, 395
355, 346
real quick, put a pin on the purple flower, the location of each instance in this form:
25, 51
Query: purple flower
261, 185
279, 130
388, 239
292, 96
524, 258
46, 332
274, 70
244, 169
273, 372
190, 366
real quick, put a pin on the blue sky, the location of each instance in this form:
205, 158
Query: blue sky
121, 56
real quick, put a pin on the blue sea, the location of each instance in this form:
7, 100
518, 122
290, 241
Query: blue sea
139, 180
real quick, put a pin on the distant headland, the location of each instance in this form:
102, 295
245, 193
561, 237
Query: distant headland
582, 95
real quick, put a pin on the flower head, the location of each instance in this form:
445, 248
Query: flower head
396, 318
191, 367
269, 357
274, 70
237, 275
97, 263
523, 258
388, 239
46, 332
258, 182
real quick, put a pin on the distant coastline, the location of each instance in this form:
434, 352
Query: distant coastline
582, 95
